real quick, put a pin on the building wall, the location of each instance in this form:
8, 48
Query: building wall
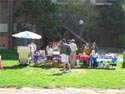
4, 23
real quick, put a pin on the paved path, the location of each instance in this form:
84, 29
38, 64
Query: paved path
28, 90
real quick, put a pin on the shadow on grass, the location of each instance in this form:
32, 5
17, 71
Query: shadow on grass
77, 67
96, 68
15, 66
57, 74
105, 68
42, 66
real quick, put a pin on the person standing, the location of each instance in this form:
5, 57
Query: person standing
94, 47
50, 53
65, 51
33, 49
74, 49
87, 49
86, 54
94, 55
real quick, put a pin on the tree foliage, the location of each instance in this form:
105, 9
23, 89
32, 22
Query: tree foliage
105, 20
42, 13
71, 14
111, 22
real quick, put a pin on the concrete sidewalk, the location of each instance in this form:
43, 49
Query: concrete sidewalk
28, 90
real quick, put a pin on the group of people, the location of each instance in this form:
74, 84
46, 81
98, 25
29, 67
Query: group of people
90, 52
68, 51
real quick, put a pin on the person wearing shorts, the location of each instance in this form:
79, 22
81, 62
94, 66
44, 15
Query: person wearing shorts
65, 51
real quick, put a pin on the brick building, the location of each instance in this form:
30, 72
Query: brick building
6, 22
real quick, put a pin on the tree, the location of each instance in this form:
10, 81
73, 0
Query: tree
71, 13
111, 23
41, 13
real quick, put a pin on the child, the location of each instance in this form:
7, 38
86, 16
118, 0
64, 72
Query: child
1, 66
93, 57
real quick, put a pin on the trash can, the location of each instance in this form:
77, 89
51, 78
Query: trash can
23, 52
123, 64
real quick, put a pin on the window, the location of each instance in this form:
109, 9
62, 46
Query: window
3, 27
93, 1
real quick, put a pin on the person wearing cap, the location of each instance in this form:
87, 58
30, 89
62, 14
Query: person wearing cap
74, 49
65, 52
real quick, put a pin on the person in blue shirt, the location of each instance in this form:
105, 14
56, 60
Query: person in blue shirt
94, 55
94, 47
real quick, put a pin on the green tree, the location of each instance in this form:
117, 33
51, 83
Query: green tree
111, 23
41, 13
71, 13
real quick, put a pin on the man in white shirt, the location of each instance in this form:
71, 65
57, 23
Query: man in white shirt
33, 48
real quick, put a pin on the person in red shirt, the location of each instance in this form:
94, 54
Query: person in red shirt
86, 54
87, 49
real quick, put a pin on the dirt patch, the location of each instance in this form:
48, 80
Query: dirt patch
28, 90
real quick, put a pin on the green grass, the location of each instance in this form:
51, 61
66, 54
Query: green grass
15, 75
120, 55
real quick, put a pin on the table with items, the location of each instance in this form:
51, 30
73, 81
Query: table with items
107, 60
84, 58
103, 61
49, 60
81, 57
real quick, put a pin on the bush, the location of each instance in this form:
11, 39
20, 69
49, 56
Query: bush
9, 54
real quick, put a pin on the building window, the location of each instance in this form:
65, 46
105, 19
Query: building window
3, 27
93, 1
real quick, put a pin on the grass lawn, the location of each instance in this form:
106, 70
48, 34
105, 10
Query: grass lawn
14, 75
120, 55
